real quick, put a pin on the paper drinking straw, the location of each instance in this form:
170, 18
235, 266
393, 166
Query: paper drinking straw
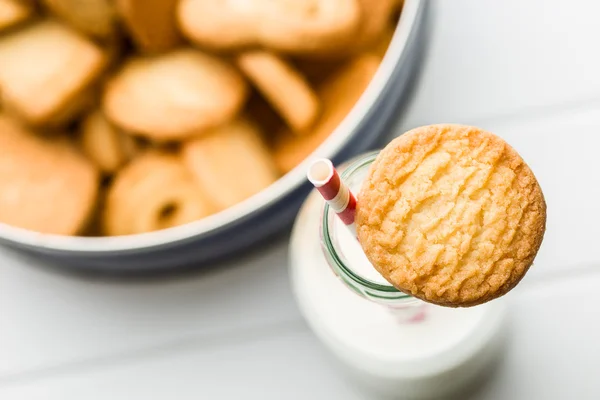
324, 177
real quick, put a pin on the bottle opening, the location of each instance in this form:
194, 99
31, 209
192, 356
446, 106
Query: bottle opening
343, 251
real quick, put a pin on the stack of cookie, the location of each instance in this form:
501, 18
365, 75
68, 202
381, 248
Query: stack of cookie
127, 116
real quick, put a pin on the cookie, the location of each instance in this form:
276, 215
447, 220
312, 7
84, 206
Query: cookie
151, 23
155, 191
283, 86
376, 18
376, 28
338, 95
45, 184
105, 145
13, 12
382, 44
33, 62
231, 162
309, 26
175, 95
92, 17
451, 214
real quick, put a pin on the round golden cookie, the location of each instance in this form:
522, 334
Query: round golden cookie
451, 214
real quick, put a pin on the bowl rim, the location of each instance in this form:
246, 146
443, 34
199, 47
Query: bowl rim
283, 186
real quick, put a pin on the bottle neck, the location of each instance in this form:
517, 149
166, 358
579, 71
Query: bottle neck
344, 253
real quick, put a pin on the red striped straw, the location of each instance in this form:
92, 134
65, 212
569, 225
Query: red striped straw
323, 175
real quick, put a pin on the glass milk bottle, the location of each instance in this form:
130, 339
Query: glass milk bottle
390, 342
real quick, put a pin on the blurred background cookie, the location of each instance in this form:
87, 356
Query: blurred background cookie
231, 162
151, 23
105, 145
283, 87
175, 95
376, 18
45, 184
266, 83
45, 69
309, 26
155, 191
13, 12
93, 17
337, 96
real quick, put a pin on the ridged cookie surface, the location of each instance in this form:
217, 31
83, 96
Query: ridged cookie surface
451, 214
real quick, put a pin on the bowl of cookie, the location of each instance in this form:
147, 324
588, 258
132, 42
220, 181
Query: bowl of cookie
142, 135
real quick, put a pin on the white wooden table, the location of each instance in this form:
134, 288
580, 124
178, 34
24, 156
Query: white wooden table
527, 70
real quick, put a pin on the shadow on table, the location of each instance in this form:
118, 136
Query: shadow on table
177, 273
480, 389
